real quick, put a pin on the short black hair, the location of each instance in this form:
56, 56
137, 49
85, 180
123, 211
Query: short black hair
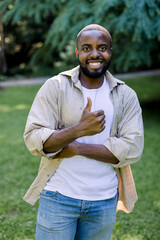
94, 27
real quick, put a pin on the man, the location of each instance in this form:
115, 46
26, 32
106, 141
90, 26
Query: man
87, 126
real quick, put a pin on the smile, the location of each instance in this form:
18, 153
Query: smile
95, 64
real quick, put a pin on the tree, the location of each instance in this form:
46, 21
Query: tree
50, 26
3, 64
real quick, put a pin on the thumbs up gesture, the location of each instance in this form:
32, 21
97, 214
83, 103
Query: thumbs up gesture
91, 122
89, 105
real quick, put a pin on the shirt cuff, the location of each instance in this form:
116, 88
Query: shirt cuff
42, 137
118, 148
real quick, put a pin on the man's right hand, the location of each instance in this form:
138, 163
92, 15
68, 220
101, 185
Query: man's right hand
91, 122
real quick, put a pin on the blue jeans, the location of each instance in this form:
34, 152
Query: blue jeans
64, 218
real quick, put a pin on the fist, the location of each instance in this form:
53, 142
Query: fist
91, 122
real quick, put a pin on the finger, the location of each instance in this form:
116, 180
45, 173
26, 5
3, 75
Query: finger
89, 105
101, 119
99, 113
102, 128
103, 123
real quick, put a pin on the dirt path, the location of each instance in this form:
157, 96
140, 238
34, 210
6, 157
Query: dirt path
41, 80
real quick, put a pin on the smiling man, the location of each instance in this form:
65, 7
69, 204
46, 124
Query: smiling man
94, 52
87, 126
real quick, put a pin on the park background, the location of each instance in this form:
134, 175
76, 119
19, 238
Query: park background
37, 39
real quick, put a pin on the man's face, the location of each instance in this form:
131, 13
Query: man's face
94, 53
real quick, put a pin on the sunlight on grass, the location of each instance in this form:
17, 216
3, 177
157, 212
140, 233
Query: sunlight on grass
2, 137
21, 107
20, 238
129, 237
7, 108
157, 204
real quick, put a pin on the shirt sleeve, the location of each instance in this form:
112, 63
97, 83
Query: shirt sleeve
42, 120
127, 144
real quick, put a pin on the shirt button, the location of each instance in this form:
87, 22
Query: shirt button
47, 175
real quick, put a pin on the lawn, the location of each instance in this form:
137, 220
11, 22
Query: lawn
18, 167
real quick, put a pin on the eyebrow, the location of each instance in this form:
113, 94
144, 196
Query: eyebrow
102, 44
85, 44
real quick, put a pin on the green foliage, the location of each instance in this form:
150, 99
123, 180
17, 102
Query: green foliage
16, 10
134, 26
68, 58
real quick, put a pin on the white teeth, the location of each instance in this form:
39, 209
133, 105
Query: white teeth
95, 63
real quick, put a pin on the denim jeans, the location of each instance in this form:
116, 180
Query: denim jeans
64, 218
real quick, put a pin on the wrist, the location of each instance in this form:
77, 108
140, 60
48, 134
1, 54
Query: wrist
77, 131
79, 148
75, 148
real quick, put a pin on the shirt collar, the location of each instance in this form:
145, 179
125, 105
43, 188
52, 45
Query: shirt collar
113, 82
74, 75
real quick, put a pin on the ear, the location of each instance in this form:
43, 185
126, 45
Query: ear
76, 51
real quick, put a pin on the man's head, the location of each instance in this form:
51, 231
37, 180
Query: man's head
94, 50
95, 27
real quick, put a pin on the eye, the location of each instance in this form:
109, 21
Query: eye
102, 48
86, 48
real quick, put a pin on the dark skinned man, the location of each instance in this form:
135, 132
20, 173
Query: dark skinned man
87, 126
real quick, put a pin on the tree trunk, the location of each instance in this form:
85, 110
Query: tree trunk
3, 64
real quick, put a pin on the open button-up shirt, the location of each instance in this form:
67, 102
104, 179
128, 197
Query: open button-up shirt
59, 102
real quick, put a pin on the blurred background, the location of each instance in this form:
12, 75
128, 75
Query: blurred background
37, 40
38, 37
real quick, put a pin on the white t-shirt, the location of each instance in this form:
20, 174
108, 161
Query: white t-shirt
84, 178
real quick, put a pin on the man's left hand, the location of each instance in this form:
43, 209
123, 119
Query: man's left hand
68, 151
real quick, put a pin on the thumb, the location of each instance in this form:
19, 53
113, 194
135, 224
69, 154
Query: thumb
89, 105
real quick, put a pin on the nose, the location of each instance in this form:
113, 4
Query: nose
95, 53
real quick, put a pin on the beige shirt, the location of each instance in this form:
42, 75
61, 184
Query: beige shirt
59, 103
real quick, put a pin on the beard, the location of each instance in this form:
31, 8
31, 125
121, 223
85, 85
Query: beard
96, 73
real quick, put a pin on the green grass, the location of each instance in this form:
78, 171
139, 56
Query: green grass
147, 88
18, 168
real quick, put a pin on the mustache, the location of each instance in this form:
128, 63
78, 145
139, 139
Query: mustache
93, 59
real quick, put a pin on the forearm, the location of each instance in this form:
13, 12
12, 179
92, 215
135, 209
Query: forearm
60, 139
97, 152
90, 123
94, 151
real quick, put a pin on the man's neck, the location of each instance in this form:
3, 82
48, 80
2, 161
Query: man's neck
90, 83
